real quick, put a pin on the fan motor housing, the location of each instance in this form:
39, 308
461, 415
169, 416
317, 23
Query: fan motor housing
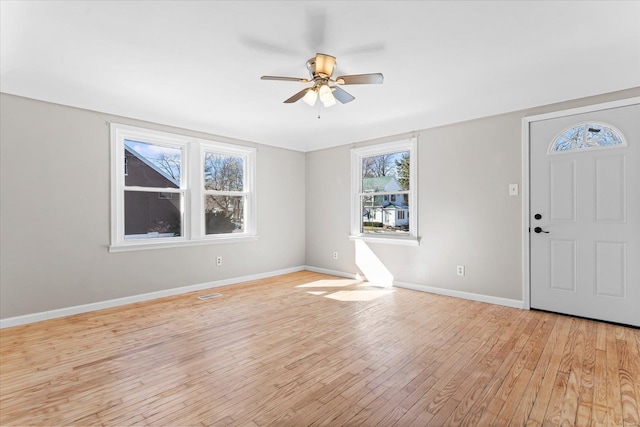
321, 66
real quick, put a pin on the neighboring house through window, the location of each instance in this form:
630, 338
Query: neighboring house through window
384, 193
174, 190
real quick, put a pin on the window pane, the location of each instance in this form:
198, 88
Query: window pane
385, 172
585, 136
381, 215
224, 214
149, 215
150, 165
223, 173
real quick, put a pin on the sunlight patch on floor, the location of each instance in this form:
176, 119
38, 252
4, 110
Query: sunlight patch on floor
359, 295
339, 283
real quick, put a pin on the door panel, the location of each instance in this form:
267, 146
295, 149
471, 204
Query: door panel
563, 191
611, 260
563, 265
585, 259
611, 195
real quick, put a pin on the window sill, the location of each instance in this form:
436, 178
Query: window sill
390, 240
146, 245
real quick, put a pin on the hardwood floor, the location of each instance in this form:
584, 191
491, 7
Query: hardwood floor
310, 349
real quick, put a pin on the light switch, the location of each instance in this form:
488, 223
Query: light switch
513, 189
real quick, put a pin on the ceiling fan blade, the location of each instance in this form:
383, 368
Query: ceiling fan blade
316, 25
342, 95
285, 79
296, 97
361, 79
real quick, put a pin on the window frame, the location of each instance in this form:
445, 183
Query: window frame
357, 155
191, 188
248, 186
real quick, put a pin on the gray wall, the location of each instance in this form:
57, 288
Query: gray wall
466, 216
54, 210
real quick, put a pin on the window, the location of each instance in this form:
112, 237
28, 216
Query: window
224, 195
384, 193
173, 190
586, 136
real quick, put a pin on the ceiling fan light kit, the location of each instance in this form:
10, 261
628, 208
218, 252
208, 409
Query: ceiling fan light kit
321, 69
310, 97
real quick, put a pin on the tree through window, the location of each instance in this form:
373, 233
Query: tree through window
170, 190
586, 136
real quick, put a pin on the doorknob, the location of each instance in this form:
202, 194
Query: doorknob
539, 230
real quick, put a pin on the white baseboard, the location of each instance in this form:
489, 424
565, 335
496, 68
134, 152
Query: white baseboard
68, 311
354, 276
431, 289
460, 294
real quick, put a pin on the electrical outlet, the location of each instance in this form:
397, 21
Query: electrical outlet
219, 260
513, 189
460, 270
335, 255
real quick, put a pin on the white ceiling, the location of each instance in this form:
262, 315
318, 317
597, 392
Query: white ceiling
197, 65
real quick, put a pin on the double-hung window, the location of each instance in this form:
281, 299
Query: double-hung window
173, 190
384, 193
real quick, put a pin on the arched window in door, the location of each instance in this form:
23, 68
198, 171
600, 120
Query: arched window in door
587, 136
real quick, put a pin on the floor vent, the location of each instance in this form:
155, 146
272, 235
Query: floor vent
204, 297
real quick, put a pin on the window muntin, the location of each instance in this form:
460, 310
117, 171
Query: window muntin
586, 136
384, 192
162, 198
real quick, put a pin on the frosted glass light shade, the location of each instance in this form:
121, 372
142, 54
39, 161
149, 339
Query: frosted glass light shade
330, 102
325, 93
310, 97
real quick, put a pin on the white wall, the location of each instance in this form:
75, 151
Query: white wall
54, 202
466, 216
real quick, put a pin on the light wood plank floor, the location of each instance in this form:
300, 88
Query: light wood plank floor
310, 349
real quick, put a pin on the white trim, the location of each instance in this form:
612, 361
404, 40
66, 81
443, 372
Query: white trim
357, 154
430, 289
526, 221
587, 109
191, 189
85, 308
460, 294
355, 276
170, 242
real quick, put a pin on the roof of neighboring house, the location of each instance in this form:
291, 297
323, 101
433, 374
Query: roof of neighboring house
149, 163
395, 206
378, 183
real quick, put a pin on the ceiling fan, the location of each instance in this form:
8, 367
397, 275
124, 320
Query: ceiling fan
321, 68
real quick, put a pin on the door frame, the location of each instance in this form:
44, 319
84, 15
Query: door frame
526, 220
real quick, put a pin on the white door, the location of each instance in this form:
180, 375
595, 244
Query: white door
585, 215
